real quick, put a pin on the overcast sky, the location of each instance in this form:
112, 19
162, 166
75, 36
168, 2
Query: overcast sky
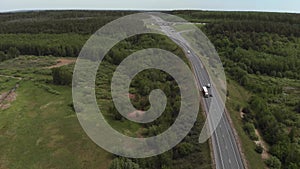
236, 5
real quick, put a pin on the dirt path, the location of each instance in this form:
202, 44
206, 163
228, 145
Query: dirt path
63, 62
265, 154
8, 97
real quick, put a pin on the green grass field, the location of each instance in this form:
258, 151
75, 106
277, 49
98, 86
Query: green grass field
40, 129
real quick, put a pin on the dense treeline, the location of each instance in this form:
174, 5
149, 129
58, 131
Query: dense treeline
258, 53
218, 16
57, 31
62, 75
287, 24
11, 53
256, 26
56, 22
254, 62
87, 22
44, 44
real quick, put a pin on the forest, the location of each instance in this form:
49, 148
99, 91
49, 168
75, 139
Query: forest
180, 156
259, 50
262, 53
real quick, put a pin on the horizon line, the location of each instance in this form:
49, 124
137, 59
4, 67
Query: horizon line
161, 10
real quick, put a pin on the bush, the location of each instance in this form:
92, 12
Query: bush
62, 75
273, 163
250, 130
116, 115
259, 149
246, 110
13, 52
2, 56
253, 136
48, 89
71, 105
184, 149
123, 163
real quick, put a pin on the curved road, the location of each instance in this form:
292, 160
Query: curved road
226, 152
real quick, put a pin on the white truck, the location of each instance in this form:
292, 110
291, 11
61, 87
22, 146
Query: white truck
205, 91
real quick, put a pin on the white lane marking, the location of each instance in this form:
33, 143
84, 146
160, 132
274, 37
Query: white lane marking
231, 144
226, 128
217, 140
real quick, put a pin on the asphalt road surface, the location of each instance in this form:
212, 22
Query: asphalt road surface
225, 149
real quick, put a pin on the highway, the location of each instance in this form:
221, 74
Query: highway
225, 149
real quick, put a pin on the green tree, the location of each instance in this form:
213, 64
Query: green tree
116, 115
62, 75
122, 163
273, 163
13, 52
2, 56
259, 149
184, 149
250, 130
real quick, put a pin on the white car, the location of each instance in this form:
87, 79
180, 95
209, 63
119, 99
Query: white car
208, 85
189, 52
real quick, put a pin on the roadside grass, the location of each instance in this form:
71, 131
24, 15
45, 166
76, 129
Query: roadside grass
200, 26
183, 27
237, 99
153, 27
